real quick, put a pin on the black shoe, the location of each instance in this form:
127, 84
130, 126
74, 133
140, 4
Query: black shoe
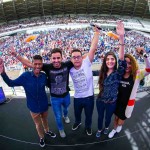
106, 131
50, 133
76, 126
42, 143
88, 131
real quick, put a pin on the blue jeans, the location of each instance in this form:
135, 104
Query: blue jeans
87, 104
107, 109
57, 104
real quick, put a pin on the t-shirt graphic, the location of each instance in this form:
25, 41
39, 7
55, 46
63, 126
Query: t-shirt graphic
58, 81
125, 83
80, 81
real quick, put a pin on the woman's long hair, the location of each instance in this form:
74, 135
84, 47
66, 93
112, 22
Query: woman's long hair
104, 70
134, 65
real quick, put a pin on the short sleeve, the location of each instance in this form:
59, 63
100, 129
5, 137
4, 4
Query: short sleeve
69, 64
46, 67
87, 61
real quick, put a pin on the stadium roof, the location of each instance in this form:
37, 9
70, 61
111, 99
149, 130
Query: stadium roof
20, 9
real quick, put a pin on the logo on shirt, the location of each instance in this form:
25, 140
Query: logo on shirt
80, 81
124, 83
59, 81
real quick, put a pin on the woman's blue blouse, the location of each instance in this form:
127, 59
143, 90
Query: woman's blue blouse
111, 83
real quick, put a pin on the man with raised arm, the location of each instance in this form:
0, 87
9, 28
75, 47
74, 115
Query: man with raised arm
82, 77
58, 82
34, 83
58, 77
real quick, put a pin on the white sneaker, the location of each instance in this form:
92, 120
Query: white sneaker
112, 133
67, 120
118, 129
62, 133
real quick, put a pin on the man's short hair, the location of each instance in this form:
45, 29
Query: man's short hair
76, 50
56, 50
37, 57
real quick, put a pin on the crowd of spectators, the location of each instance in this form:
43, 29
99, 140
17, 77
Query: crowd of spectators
67, 39
128, 21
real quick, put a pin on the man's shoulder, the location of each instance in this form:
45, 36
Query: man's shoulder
47, 66
68, 64
26, 74
43, 73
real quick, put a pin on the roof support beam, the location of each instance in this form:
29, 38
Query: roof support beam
1, 3
26, 5
63, 7
134, 8
15, 9
145, 10
123, 7
52, 7
100, 3
43, 11
112, 4
38, 3
87, 7
75, 6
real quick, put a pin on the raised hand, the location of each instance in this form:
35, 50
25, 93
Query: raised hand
1, 66
13, 51
120, 28
140, 50
120, 31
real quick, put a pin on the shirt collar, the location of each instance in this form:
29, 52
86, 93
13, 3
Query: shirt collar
32, 74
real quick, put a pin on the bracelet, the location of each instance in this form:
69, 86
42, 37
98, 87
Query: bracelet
145, 55
122, 44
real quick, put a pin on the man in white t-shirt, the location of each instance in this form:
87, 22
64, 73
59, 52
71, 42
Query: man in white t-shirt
82, 78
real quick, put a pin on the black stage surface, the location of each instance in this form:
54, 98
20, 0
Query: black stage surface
17, 130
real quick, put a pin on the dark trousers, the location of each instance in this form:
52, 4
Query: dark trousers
106, 109
87, 104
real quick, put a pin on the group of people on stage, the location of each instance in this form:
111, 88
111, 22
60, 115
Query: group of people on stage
116, 80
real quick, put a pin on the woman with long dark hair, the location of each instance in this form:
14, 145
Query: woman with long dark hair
109, 79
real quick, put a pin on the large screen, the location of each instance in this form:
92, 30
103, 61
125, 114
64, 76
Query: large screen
2, 95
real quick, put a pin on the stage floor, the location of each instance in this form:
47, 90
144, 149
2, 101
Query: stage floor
17, 130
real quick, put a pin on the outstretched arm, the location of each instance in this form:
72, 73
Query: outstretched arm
139, 76
21, 59
2, 68
120, 31
94, 44
8, 81
141, 51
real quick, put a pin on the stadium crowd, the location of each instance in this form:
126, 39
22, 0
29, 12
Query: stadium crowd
26, 23
67, 39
